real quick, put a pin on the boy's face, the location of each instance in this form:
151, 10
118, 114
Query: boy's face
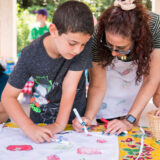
69, 44
40, 18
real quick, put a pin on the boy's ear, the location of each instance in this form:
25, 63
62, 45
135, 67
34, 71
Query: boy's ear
53, 30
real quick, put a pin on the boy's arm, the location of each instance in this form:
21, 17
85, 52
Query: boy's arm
12, 106
69, 88
96, 92
148, 88
3, 114
14, 110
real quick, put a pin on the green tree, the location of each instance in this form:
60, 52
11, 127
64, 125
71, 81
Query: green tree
25, 15
24, 19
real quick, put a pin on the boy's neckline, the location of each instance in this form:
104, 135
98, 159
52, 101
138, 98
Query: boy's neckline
44, 42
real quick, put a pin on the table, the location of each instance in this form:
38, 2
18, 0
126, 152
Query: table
128, 144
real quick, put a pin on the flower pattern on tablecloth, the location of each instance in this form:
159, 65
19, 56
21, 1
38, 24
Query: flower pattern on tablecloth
130, 146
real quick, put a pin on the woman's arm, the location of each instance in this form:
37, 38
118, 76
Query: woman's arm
156, 100
96, 92
149, 86
147, 90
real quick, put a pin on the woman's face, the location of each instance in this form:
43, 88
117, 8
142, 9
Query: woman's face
118, 44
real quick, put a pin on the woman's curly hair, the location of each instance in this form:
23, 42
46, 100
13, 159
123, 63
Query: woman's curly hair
133, 24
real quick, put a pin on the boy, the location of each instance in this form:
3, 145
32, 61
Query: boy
56, 63
3, 81
40, 28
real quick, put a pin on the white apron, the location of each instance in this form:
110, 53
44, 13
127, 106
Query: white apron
121, 89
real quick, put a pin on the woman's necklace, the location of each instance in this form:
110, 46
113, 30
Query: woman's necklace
126, 58
123, 58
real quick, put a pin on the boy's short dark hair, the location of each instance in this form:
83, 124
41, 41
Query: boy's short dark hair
73, 16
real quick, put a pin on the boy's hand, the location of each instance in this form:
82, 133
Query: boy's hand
118, 126
38, 134
78, 127
55, 127
157, 112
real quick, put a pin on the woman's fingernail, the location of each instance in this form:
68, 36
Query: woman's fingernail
83, 123
82, 129
122, 134
88, 128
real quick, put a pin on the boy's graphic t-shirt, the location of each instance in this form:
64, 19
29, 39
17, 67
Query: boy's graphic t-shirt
48, 75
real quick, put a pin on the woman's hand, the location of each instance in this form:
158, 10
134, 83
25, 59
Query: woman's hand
157, 112
118, 126
78, 126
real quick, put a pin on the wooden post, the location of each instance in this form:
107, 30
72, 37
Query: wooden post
8, 40
156, 6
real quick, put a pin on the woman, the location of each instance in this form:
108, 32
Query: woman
125, 73
156, 100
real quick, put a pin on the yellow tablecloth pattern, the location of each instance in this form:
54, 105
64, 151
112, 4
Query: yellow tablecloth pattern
129, 144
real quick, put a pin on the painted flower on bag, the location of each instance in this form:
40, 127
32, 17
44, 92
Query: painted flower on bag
101, 141
53, 157
89, 151
127, 71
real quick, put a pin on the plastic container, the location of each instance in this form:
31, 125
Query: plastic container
9, 67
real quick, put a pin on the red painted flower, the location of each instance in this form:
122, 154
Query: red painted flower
132, 146
53, 157
142, 154
130, 156
149, 149
141, 158
129, 140
148, 154
148, 157
19, 147
101, 141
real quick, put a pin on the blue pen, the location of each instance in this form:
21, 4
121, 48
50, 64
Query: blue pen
80, 120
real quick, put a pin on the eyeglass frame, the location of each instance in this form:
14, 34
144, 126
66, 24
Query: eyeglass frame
115, 50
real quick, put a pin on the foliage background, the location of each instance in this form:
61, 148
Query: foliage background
26, 18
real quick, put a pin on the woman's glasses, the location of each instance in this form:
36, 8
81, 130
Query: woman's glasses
107, 46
